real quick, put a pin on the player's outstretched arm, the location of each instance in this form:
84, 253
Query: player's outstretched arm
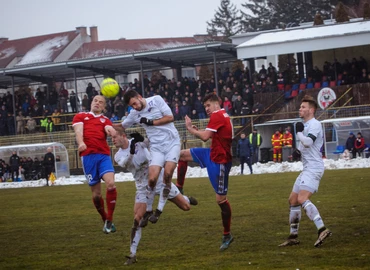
79, 131
204, 135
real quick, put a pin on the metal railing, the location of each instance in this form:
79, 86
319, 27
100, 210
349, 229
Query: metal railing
67, 137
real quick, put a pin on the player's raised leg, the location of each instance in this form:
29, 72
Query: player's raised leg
182, 168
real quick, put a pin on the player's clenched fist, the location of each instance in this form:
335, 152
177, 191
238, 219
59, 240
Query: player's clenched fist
144, 120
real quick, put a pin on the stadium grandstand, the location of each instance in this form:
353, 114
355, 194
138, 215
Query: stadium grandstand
45, 80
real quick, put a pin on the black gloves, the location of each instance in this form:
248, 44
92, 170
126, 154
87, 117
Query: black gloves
144, 120
137, 137
299, 127
296, 155
132, 147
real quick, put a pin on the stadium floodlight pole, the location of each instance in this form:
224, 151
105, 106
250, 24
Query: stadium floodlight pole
142, 78
215, 71
76, 95
15, 122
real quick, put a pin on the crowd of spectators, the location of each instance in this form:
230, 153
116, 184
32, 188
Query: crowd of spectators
35, 112
185, 96
23, 168
348, 72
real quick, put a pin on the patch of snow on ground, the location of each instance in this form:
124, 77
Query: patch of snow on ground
194, 172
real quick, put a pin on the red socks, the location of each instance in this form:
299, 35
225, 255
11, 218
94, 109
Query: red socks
111, 202
182, 167
99, 205
226, 216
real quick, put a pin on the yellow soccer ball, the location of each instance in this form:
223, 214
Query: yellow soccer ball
109, 88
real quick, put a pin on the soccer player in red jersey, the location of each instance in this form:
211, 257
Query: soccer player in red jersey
91, 129
216, 159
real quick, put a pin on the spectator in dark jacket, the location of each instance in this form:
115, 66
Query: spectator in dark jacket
350, 143
176, 112
244, 152
14, 163
74, 100
2, 125
53, 100
198, 106
194, 115
184, 110
10, 124
49, 163
246, 109
237, 105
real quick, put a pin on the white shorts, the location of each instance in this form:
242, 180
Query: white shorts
308, 180
141, 194
171, 153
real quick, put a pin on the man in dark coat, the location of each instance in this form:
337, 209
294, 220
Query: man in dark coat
350, 143
244, 151
49, 164
14, 163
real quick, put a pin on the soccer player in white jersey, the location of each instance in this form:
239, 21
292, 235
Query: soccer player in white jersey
156, 117
133, 155
310, 135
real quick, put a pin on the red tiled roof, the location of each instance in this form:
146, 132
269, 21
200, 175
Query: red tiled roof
35, 49
122, 46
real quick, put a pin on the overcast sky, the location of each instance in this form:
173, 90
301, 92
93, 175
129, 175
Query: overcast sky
114, 18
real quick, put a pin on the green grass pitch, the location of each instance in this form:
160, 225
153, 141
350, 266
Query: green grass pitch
59, 228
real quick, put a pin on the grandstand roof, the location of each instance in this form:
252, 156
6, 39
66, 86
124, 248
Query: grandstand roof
186, 55
347, 119
322, 37
122, 46
279, 122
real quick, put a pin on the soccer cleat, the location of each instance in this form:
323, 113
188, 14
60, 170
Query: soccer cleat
226, 241
144, 220
322, 236
154, 217
193, 201
113, 228
130, 260
109, 227
291, 241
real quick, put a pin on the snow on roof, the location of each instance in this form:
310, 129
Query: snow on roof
44, 51
31, 47
7, 52
317, 32
122, 46
162, 45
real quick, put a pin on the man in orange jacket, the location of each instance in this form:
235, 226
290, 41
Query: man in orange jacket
287, 138
277, 144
